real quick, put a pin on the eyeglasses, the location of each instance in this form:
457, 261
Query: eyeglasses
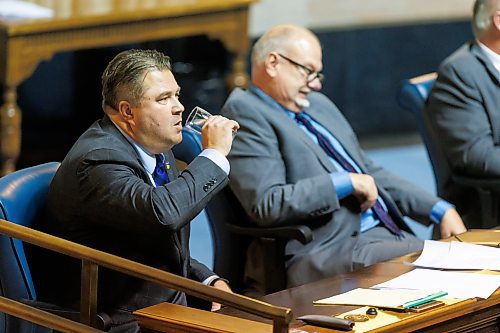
311, 74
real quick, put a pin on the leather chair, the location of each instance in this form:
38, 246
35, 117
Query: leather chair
22, 200
412, 96
232, 233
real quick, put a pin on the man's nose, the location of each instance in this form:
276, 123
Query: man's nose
178, 107
315, 84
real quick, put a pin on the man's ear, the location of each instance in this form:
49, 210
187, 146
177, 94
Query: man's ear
125, 110
127, 113
271, 64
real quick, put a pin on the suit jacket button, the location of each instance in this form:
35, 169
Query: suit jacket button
355, 234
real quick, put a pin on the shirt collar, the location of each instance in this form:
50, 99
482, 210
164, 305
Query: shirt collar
148, 160
492, 56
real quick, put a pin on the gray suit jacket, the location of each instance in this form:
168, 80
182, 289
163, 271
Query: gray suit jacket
282, 177
464, 113
102, 197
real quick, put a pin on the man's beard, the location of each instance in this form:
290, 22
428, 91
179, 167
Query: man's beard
302, 102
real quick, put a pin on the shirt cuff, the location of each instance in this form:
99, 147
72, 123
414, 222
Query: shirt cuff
342, 183
439, 209
217, 157
210, 279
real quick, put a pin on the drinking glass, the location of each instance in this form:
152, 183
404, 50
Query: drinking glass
196, 119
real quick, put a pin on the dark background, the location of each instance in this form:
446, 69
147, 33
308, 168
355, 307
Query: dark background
363, 69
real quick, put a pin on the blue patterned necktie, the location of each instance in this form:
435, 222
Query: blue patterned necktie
160, 175
324, 143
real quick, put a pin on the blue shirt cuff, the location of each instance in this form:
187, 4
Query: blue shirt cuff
217, 157
342, 183
439, 209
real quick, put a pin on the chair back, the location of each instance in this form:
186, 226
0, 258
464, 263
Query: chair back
229, 248
412, 96
23, 197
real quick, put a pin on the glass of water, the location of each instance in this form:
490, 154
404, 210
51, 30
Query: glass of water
196, 119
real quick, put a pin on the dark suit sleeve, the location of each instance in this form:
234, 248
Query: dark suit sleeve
115, 194
198, 271
457, 112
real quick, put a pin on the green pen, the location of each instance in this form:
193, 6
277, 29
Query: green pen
424, 300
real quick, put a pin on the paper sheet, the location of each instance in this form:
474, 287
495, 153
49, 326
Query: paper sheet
384, 298
457, 284
457, 255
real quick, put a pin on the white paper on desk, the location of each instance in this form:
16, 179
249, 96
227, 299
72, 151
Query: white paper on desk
385, 298
13, 9
457, 284
458, 255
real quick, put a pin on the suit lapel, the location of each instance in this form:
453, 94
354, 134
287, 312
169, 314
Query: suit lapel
293, 128
493, 114
478, 53
299, 133
330, 124
171, 170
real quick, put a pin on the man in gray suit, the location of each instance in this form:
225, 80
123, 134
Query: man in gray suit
285, 169
118, 189
464, 109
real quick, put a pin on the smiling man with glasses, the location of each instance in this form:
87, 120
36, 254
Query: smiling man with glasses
296, 160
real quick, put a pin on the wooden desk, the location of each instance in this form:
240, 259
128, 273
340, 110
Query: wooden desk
466, 316
472, 315
82, 24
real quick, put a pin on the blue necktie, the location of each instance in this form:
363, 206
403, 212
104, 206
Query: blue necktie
160, 175
324, 143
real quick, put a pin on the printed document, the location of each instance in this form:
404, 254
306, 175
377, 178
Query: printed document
456, 284
457, 255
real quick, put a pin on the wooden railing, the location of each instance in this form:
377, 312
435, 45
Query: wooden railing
43, 318
92, 259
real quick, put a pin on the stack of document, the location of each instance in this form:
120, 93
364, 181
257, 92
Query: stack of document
457, 255
383, 298
456, 284
453, 256
480, 279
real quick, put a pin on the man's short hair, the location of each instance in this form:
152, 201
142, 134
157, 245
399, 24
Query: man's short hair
482, 15
276, 39
124, 76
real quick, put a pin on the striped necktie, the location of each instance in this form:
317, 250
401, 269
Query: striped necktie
324, 143
160, 175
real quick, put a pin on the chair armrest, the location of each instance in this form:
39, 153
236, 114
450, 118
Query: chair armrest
103, 321
302, 233
492, 184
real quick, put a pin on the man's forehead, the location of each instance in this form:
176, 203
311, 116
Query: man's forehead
156, 80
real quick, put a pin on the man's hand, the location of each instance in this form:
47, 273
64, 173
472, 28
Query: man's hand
217, 133
451, 224
364, 189
222, 285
